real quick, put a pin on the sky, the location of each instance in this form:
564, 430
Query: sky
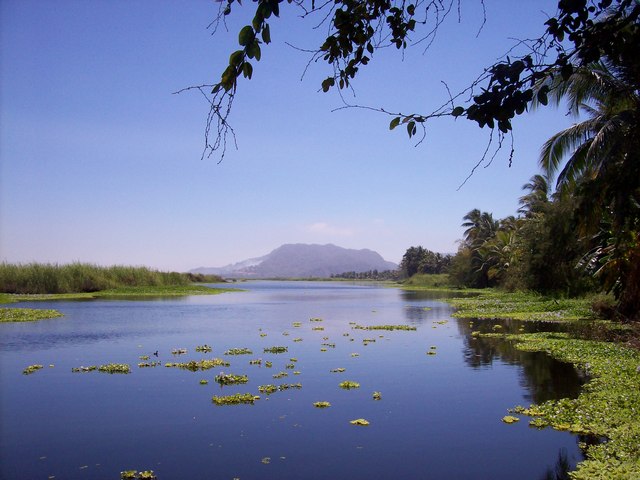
101, 162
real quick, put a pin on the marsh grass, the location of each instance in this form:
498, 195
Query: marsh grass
39, 278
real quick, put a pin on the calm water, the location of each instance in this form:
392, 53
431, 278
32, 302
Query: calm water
439, 417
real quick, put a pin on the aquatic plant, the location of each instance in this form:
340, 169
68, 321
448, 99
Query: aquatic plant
348, 385
321, 404
385, 327
266, 460
27, 314
276, 350
510, 419
290, 366
293, 359
144, 357
129, 474
257, 361
355, 354
230, 379
268, 364
238, 351
296, 372
297, 339
178, 351
330, 345
359, 421
280, 375
377, 396
237, 399
269, 389
367, 341
115, 368
431, 352
337, 370
194, 366
148, 364
315, 319
323, 349
204, 348
204, 382
147, 475
318, 329
84, 369
297, 324
31, 369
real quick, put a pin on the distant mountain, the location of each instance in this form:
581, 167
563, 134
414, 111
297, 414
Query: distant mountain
303, 261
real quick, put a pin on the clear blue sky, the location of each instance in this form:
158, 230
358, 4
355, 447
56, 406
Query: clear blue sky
100, 162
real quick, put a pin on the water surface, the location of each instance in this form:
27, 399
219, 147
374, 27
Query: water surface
439, 416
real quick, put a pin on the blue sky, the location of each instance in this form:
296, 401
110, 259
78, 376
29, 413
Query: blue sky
100, 161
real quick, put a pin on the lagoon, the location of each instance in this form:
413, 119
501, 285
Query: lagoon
439, 415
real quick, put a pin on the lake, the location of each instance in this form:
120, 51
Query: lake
439, 416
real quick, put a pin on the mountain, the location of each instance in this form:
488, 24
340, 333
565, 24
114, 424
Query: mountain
303, 261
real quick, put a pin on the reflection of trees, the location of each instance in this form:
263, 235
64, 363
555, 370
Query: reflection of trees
543, 377
561, 469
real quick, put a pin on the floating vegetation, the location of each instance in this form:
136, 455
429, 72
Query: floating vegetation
148, 364
84, 369
144, 357
263, 334
280, 375
115, 368
318, 329
134, 474
323, 349
297, 324
238, 351
266, 460
431, 352
510, 419
297, 339
204, 348
442, 322
321, 404
330, 345
293, 359
359, 421
355, 354
337, 370
377, 396
385, 327
269, 389
230, 379
345, 334
204, 382
348, 385
268, 364
26, 314
178, 351
276, 350
315, 319
194, 366
290, 366
257, 361
286, 334
31, 369
237, 399
367, 341
296, 372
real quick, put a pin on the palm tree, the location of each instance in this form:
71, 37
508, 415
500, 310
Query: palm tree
538, 196
598, 159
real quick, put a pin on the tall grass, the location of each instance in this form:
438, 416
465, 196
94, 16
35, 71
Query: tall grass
38, 278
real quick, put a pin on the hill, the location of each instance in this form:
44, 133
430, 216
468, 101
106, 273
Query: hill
303, 261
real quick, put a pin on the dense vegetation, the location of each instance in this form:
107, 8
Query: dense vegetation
368, 275
37, 278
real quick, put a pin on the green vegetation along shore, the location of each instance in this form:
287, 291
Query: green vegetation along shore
605, 414
78, 281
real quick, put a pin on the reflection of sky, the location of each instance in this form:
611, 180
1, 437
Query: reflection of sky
435, 409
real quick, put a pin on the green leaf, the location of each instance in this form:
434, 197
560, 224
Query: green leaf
246, 35
253, 50
247, 70
236, 58
266, 34
394, 123
411, 128
327, 83
457, 111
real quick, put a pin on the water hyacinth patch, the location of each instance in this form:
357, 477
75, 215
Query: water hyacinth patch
257, 361
230, 379
318, 329
276, 350
348, 385
337, 370
90, 368
237, 399
27, 314
321, 404
204, 348
280, 375
32, 369
148, 364
377, 396
115, 368
238, 351
179, 351
269, 389
204, 382
194, 366
510, 419
315, 319
385, 327
359, 421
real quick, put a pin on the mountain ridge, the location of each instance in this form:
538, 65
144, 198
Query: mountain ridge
302, 260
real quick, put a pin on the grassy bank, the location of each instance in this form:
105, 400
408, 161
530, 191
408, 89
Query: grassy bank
38, 278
